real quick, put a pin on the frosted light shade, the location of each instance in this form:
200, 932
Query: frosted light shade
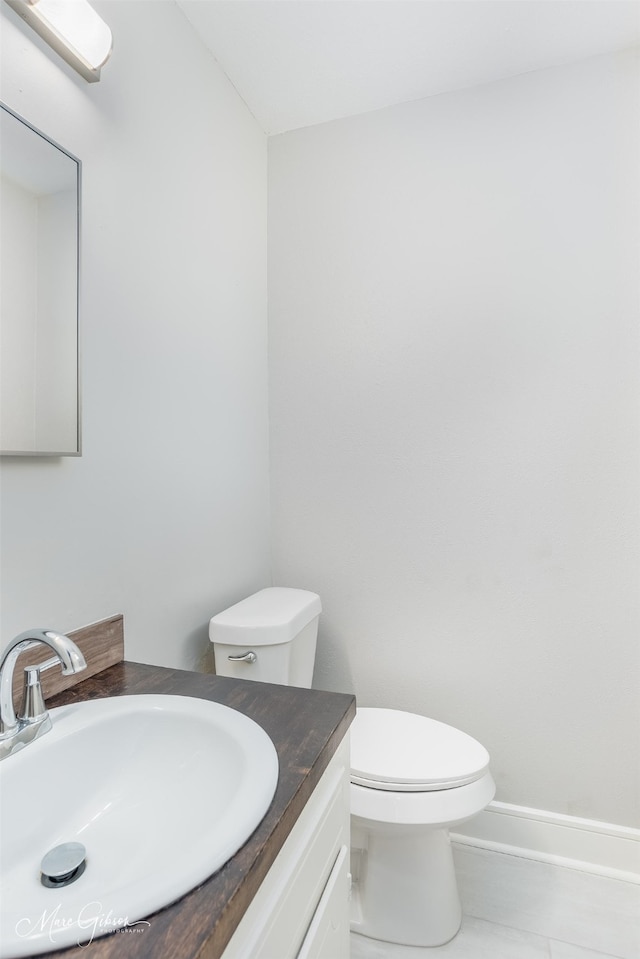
79, 26
73, 29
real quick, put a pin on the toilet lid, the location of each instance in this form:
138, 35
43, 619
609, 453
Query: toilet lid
399, 751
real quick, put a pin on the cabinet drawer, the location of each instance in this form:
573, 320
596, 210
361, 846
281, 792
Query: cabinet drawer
328, 934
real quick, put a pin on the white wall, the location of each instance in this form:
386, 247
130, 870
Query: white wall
165, 516
454, 419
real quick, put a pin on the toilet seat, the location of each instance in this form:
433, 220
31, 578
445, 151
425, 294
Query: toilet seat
402, 752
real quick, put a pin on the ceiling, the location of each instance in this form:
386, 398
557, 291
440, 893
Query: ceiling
300, 62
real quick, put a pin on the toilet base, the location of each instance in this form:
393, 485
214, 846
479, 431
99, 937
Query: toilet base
404, 884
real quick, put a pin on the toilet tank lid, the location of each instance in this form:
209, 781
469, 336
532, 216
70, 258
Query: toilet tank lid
272, 616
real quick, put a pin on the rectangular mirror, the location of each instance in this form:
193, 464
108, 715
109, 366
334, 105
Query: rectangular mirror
39, 274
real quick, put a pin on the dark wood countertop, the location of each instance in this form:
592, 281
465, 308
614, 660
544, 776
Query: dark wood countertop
306, 726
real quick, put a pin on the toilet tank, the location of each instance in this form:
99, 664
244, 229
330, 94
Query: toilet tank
269, 637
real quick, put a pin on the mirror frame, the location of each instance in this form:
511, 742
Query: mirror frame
78, 450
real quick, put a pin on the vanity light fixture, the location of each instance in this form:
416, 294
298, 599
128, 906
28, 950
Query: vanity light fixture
73, 29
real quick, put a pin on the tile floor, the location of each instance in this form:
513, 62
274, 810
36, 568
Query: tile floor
519, 909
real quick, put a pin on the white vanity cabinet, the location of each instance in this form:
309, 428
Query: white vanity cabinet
301, 910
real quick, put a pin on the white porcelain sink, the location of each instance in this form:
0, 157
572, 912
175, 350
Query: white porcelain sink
161, 790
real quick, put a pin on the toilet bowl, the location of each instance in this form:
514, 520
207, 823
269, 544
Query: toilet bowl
412, 778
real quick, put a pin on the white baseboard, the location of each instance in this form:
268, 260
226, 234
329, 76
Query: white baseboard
584, 844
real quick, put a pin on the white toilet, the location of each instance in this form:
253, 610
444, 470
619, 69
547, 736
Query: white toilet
411, 777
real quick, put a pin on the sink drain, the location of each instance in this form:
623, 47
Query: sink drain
63, 864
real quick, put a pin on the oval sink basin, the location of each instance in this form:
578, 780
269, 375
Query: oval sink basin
160, 790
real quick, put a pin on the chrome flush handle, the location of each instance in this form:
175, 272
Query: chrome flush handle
249, 657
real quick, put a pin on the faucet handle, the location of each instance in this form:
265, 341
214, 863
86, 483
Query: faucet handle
41, 667
33, 706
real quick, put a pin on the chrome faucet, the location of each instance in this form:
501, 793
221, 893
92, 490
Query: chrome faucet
33, 720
